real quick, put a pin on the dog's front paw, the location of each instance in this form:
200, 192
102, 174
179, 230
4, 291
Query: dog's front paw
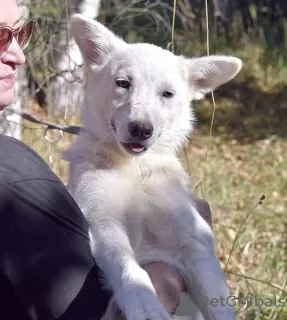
142, 304
137, 298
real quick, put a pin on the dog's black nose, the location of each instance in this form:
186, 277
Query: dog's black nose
140, 130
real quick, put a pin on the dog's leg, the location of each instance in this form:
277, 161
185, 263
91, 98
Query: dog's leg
204, 279
131, 285
205, 282
103, 204
208, 289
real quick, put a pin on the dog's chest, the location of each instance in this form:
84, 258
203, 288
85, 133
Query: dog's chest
157, 177
161, 199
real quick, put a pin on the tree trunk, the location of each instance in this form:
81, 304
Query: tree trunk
66, 89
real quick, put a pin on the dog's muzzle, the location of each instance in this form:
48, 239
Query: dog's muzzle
139, 133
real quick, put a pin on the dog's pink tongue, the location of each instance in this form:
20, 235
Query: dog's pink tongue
136, 147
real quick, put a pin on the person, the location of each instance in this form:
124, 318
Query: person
46, 267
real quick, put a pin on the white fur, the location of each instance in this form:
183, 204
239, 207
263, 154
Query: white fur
139, 207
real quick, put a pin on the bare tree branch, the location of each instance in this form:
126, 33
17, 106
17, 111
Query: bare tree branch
50, 126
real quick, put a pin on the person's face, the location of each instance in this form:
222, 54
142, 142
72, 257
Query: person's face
9, 16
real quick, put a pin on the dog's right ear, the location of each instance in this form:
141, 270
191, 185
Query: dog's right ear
94, 40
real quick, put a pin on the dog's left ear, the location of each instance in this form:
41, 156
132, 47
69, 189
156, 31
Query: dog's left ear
207, 73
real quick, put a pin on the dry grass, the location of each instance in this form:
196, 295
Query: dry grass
237, 175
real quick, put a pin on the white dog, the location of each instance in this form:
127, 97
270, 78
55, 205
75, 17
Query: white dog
126, 177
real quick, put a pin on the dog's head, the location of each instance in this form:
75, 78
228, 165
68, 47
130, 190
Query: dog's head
139, 93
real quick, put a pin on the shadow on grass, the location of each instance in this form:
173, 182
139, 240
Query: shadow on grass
245, 112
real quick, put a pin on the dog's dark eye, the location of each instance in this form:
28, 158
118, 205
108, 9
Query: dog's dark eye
123, 83
168, 94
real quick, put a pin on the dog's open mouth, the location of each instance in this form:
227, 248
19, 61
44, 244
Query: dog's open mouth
134, 147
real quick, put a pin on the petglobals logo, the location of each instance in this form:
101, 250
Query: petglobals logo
247, 301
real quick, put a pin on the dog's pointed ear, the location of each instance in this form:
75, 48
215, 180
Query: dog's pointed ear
207, 73
94, 40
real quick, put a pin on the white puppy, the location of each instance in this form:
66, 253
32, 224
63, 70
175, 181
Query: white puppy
126, 177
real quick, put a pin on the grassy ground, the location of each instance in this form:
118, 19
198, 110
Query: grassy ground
246, 159
237, 175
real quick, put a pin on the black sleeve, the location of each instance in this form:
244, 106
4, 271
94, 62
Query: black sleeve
45, 253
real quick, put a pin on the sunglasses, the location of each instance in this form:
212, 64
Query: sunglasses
22, 34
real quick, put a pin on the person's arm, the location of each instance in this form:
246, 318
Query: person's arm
47, 270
